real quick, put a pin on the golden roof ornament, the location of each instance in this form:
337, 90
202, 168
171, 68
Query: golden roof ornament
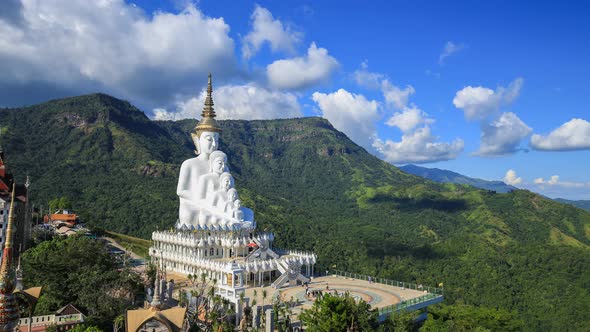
9, 312
208, 122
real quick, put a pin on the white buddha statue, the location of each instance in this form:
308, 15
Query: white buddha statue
205, 188
205, 136
208, 184
238, 213
232, 196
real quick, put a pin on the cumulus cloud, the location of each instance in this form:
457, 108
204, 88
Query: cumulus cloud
555, 187
396, 97
449, 49
302, 72
511, 178
409, 119
503, 135
572, 135
418, 144
368, 79
350, 113
479, 102
265, 28
245, 102
553, 180
418, 147
84, 46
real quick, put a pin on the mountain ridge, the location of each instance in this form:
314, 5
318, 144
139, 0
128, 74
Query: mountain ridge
442, 175
316, 190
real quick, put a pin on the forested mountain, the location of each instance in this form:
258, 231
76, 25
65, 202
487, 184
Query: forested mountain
442, 175
316, 190
582, 204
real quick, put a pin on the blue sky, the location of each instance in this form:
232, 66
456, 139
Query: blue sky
494, 90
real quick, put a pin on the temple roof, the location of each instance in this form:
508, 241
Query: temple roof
173, 318
69, 309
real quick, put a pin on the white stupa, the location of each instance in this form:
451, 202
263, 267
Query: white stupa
214, 234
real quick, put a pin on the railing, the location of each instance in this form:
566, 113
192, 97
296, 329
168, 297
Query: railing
431, 293
418, 287
408, 304
250, 254
52, 319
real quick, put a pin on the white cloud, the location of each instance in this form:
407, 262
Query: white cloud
418, 147
572, 135
245, 102
409, 119
511, 178
555, 187
551, 187
350, 113
553, 180
83, 46
479, 102
503, 135
267, 29
417, 144
368, 79
449, 49
396, 97
302, 72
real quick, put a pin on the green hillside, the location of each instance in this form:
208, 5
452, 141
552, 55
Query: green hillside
317, 190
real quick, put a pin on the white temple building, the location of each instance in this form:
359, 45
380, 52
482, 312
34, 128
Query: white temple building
215, 235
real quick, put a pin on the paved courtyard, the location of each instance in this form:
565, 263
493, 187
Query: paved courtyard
377, 295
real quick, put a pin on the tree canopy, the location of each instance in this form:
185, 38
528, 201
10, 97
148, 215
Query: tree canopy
335, 313
79, 271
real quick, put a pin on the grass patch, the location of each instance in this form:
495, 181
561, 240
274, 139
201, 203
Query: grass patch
558, 238
137, 245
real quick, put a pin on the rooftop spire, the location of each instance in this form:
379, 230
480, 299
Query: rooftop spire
8, 308
208, 111
8, 243
208, 122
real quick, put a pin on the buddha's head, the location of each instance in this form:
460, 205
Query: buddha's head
217, 160
232, 194
226, 181
237, 204
206, 142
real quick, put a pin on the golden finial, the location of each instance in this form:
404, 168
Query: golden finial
208, 122
8, 243
208, 111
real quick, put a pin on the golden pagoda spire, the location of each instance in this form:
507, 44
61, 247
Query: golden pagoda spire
9, 312
7, 253
8, 243
208, 111
208, 122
